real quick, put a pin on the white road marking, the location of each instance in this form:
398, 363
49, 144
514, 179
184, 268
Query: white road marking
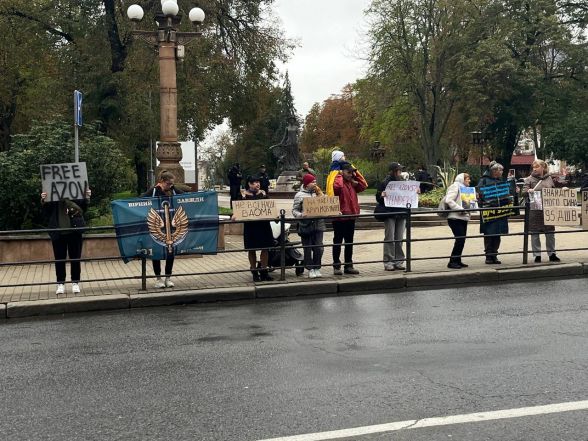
439, 421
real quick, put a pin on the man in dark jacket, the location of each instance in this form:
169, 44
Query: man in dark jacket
346, 185
264, 180
235, 176
584, 184
492, 229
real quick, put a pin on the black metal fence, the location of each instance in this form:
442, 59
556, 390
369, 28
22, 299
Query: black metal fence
282, 246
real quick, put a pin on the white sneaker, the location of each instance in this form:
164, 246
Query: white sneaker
311, 274
159, 283
75, 288
169, 283
317, 273
60, 289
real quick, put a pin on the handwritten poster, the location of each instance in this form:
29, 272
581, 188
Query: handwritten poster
560, 207
259, 209
585, 209
64, 181
402, 193
321, 206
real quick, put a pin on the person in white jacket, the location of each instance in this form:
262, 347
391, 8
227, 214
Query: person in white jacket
458, 219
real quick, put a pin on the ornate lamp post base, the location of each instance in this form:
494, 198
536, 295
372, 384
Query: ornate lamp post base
170, 155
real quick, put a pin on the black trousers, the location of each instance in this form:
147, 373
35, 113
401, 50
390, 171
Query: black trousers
459, 228
169, 266
64, 245
491, 245
343, 231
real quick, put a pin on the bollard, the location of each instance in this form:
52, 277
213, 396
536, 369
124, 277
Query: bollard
408, 238
143, 272
282, 245
526, 233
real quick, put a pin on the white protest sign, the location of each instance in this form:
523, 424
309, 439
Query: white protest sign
259, 209
64, 181
401, 193
321, 206
560, 207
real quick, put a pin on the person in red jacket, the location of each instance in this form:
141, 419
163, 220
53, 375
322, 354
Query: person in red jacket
347, 184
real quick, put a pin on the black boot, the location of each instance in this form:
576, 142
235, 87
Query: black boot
264, 276
256, 277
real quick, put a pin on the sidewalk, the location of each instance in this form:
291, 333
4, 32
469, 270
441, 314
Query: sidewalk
230, 262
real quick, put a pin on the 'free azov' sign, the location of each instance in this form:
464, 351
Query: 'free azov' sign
64, 181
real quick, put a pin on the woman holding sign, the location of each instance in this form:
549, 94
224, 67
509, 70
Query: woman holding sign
164, 188
539, 179
257, 235
457, 200
311, 230
66, 214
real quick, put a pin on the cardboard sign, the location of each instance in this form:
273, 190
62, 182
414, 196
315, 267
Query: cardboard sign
498, 197
64, 181
259, 209
401, 193
560, 207
585, 209
321, 206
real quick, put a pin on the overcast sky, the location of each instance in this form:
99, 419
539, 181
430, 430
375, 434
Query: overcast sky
331, 42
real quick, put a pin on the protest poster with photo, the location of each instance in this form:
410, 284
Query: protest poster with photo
162, 226
64, 181
259, 209
585, 209
499, 201
321, 206
469, 200
535, 201
400, 194
560, 207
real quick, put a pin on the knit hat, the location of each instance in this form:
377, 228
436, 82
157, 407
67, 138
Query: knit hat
307, 179
337, 155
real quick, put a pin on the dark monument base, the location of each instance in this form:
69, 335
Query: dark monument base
287, 185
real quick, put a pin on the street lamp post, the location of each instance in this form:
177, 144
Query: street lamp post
170, 44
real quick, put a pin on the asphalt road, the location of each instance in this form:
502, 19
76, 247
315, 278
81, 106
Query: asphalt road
279, 368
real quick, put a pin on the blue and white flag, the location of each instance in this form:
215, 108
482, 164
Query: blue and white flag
157, 227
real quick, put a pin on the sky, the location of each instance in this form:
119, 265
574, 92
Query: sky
331, 41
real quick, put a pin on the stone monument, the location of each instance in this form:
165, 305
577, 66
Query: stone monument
288, 158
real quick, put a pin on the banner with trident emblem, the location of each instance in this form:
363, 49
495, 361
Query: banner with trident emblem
157, 227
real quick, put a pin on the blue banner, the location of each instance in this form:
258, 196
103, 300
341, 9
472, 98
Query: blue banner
500, 198
161, 226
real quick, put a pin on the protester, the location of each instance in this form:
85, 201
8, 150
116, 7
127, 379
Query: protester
164, 188
584, 185
346, 185
539, 179
257, 234
458, 219
304, 170
235, 176
66, 214
426, 180
494, 228
338, 158
310, 230
264, 180
394, 226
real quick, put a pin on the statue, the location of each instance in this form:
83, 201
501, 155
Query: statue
286, 152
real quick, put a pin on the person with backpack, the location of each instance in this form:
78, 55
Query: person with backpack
458, 218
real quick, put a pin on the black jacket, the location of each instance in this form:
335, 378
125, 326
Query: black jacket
50, 212
584, 184
235, 176
157, 192
264, 181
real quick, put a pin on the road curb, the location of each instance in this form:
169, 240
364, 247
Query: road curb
67, 305
451, 278
372, 284
188, 297
296, 289
551, 271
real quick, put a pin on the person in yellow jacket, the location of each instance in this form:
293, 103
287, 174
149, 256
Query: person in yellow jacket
338, 158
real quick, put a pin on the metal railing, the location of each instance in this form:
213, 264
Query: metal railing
282, 246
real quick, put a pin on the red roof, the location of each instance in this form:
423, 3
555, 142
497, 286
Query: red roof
522, 159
